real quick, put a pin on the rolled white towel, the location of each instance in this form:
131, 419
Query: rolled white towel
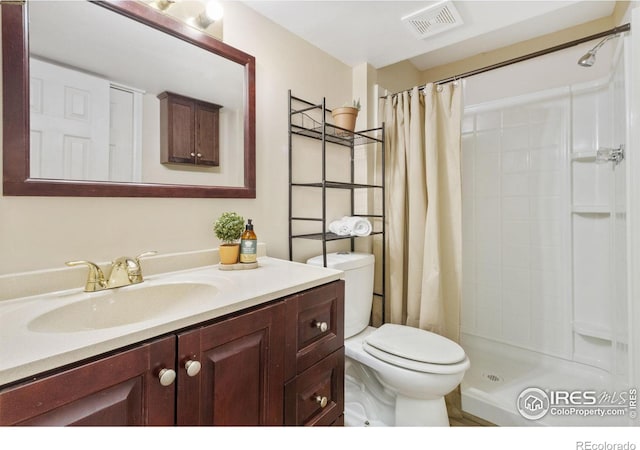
359, 226
340, 227
351, 226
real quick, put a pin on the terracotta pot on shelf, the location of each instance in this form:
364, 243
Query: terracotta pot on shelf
345, 117
229, 253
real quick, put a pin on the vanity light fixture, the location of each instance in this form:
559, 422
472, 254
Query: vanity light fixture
163, 5
213, 12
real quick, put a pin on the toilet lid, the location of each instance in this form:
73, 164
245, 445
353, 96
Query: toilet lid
415, 344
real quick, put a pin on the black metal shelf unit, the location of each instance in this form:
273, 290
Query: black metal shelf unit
309, 120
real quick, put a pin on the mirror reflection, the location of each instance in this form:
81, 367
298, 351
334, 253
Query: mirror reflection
95, 81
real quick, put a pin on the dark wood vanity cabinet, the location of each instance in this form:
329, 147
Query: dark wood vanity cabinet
120, 389
189, 130
242, 371
276, 364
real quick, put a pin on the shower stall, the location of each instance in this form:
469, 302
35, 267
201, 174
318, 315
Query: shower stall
545, 234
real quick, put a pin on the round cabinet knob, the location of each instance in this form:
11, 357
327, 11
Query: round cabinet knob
199, 155
192, 368
192, 154
322, 401
322, 326
167, 377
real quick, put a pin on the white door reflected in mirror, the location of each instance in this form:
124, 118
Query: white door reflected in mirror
82, 126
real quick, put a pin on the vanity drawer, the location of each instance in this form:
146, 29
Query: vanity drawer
318, 318
316, 396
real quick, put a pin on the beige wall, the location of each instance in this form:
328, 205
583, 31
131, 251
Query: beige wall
38, 233
398, 77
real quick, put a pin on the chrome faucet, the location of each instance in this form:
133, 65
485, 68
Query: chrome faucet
124, 272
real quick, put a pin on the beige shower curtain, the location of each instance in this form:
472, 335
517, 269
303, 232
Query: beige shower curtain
424, 207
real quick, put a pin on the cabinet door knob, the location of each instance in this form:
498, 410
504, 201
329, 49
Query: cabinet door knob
167, 377
199, 155
192, 368
321, 400
322, 326
192, 154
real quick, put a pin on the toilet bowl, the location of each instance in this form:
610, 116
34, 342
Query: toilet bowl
395, 375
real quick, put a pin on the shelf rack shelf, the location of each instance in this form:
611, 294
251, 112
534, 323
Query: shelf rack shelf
328, 236
302, 124
309, 120
338, 185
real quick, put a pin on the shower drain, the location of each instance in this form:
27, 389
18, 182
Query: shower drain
492, 377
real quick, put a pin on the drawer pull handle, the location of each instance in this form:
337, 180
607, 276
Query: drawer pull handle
322, 326
167, 377
192, 368
322, 401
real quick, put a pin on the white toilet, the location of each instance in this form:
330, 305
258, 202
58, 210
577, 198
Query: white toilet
395, 375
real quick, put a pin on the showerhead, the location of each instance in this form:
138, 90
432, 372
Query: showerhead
589, 58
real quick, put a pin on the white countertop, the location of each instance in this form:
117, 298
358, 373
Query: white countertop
24, 353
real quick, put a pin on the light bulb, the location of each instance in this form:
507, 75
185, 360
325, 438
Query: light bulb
163, 4
214, 10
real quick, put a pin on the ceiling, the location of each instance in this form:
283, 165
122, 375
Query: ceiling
362, 31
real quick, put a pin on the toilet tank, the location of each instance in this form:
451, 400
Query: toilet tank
358, 287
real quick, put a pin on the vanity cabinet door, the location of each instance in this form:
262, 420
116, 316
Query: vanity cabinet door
241, 376
122, 389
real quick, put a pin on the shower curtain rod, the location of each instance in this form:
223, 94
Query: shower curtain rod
620, 29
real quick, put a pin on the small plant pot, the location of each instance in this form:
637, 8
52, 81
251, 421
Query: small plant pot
345, 117
229, 253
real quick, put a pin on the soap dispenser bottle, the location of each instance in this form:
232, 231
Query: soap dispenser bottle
248, 245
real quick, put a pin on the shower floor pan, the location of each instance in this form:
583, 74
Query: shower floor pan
499, 373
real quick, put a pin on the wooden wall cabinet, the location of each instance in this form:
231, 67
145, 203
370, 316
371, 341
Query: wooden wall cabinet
189, 130
280, 363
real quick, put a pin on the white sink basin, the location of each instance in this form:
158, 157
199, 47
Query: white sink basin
122, 306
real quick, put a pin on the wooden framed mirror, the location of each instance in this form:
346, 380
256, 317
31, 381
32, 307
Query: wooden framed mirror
18, 160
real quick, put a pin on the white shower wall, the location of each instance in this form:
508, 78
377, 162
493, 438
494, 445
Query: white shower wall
544, 226
514, 175
598, 215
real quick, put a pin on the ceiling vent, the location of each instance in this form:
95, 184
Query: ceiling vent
432, 20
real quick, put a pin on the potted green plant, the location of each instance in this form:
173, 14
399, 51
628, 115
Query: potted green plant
345, 116
228, 229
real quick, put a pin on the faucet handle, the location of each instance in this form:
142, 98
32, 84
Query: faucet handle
95, 279
136, 275
145, 254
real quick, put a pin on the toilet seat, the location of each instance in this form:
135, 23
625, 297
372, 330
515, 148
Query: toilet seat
415, 349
